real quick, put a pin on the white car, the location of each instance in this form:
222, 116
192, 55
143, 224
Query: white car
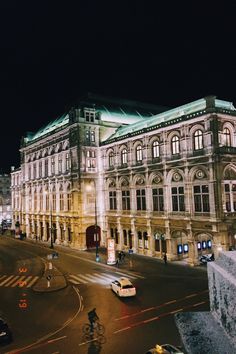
165, 349
123, 287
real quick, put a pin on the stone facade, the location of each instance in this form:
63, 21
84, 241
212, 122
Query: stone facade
155, 181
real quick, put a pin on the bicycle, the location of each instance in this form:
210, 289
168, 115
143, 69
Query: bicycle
98, 329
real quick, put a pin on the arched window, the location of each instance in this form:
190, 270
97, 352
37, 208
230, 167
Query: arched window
226, 137
198, 140
111, 159
175, 145
124, 156
155, 149
139, 153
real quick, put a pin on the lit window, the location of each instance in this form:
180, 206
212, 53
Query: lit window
111, 159
226, 137
139, 153
124, 156
92, 136
175, 144
198, 140
155, 149
230, 196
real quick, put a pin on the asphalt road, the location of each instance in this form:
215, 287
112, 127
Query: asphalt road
52, 323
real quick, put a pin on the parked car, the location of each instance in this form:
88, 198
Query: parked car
5, 332
165, 349
204, 259
123, 287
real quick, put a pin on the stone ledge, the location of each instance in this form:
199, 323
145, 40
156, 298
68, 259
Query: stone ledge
202, 334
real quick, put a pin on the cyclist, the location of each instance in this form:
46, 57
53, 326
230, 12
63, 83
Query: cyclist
93, 317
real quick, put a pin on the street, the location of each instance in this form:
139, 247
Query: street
52, 322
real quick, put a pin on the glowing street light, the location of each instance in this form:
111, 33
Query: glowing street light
50, 217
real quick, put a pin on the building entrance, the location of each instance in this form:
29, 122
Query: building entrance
91, 236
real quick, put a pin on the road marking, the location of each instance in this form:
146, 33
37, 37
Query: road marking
133, 275
6, 280
159, 306
157, 318
18, 281
177, 310
32, 281
77, 277
56, 339
12, 280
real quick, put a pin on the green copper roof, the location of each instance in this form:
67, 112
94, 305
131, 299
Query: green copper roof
57, 123
193, 107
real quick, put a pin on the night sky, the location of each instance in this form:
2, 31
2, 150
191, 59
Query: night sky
162, 52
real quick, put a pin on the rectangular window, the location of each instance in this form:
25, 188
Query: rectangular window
158, 199
34, 171
178, 199
112, 200
52, 166
125, 237
201, 198
141, 199
68, 201
53, 201
125, 200
67, 162
29, 172
61, 201
59, 164
46, 168
40, 169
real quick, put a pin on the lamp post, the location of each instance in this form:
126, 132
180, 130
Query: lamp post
51, 230
96, 234
96, 228
50, 217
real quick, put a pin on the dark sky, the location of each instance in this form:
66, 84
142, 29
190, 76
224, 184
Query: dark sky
163, 52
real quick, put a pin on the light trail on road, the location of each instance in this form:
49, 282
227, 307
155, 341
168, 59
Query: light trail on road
162, 305
157, 318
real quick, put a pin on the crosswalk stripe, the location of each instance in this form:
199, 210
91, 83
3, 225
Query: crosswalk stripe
18, 281
104, 277
128, 275
111, 277
3, 277
32, 281
77, 277
74, 281
89, 277
6, 280
12, 280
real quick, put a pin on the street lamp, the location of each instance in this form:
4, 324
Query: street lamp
50, 217
96, 234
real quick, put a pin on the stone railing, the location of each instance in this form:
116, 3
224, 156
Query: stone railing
213, 332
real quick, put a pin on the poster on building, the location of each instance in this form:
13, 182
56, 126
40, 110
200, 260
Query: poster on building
111, 254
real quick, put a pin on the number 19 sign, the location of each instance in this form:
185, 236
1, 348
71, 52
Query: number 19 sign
111, 254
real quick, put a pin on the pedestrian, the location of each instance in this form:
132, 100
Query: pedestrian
117, 262
123, 256
165, 258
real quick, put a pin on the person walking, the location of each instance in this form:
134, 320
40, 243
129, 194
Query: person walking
93, 317
165, 258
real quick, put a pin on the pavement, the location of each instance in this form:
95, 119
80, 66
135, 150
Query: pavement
53, 279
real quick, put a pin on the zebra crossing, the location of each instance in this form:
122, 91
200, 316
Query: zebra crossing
12, 281
103, 278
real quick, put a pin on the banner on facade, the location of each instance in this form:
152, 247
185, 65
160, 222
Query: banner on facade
111, 252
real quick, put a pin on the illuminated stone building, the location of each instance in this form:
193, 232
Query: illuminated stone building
5, 200
156, 180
